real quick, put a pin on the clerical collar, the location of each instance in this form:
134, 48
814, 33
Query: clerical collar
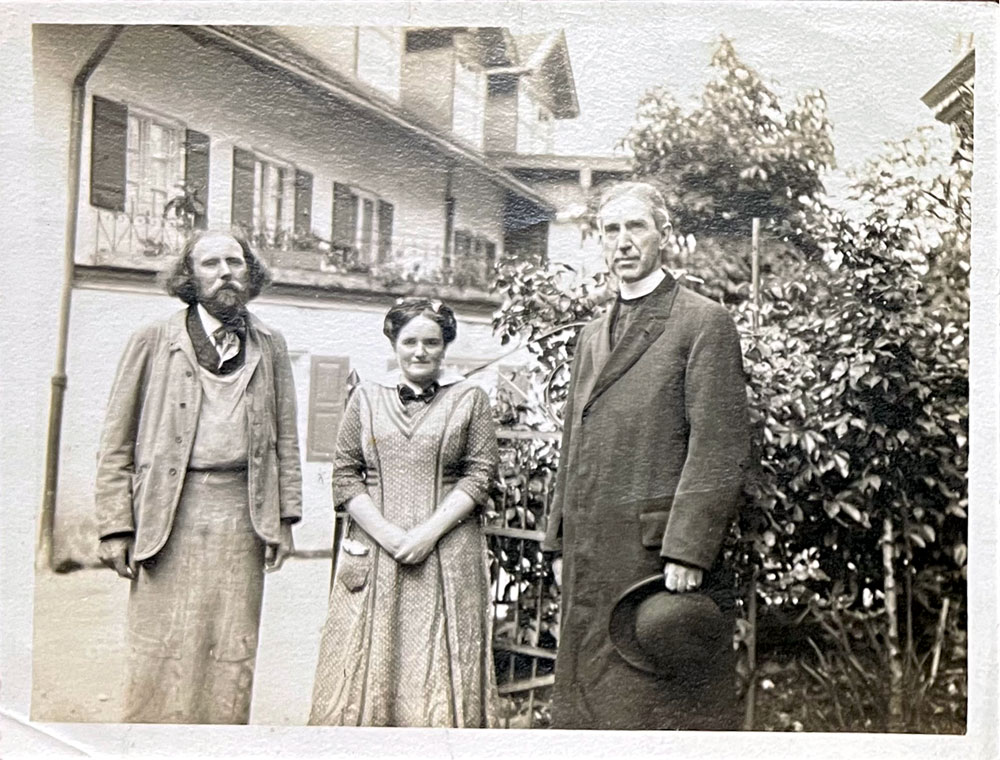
629, 291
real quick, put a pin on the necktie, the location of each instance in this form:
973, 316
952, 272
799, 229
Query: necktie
227, 343
406, 393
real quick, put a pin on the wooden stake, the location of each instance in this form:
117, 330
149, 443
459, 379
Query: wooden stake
755, 271
892, 634
751, 645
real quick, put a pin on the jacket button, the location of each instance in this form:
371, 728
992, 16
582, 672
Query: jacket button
183, 405
173, 471
178, 439
188, 373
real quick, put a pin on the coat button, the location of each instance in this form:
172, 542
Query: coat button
173, 471
188, 373
178, 439
183, 405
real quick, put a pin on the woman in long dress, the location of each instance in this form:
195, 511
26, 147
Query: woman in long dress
407, 641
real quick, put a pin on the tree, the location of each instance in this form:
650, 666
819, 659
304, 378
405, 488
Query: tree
858, 390
736, 155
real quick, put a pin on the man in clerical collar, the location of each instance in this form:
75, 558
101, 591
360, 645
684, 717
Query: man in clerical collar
655, 443
198, 485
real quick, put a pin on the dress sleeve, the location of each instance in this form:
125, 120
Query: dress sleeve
349, 466
481, 455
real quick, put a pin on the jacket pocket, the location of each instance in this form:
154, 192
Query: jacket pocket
652, 526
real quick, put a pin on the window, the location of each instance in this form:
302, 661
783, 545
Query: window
362, 225
328, 377
140, 161
155, 164
474, 259
428, 39
265, 193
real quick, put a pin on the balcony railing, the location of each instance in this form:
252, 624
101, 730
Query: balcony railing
147, 241
135, 240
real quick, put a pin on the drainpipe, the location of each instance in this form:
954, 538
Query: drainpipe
58, 394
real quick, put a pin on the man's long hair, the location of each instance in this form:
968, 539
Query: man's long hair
179, 279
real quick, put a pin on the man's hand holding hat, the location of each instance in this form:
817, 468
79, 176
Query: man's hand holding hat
682, 578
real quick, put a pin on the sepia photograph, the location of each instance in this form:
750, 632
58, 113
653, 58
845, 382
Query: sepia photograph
573, 368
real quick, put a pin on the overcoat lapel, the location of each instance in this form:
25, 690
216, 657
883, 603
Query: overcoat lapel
650, 324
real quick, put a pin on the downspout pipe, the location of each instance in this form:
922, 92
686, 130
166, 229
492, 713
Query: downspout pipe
44, 556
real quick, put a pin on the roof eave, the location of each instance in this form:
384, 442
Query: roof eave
446, 145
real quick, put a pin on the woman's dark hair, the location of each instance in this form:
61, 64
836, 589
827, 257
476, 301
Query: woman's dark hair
179, 279
407, 309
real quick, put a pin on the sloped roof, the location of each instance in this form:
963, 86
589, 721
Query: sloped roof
546, 56
263, 46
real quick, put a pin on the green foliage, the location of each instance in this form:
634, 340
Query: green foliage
857, 382
737, 154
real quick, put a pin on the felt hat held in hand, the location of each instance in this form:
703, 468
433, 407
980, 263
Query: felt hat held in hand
667, 633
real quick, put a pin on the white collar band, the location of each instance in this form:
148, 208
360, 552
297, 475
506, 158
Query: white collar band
631, 290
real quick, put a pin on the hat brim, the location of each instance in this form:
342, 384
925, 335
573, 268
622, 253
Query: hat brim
621, 622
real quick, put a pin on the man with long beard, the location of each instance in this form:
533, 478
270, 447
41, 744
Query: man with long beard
198, 485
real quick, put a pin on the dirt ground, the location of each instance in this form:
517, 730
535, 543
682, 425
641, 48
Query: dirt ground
79, 633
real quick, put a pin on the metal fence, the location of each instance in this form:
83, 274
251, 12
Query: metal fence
525, 596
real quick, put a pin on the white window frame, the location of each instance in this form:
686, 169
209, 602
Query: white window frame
284, 207
142, 198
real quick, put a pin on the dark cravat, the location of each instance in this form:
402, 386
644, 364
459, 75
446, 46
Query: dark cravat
205, 351
406, 393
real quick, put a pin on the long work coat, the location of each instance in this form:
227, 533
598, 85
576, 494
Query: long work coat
151, 424
654, 447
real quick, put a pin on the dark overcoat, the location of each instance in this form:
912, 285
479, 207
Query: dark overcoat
654, 448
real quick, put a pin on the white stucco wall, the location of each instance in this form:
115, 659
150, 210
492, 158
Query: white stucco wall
238, 106
102, 322
469, 109
235, 105
533, 134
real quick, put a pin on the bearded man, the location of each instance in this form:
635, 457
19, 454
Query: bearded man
655, 442
198, 485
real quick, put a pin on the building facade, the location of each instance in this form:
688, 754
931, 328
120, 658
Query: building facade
360, 160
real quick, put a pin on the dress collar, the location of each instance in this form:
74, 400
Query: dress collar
629, 291
395, 378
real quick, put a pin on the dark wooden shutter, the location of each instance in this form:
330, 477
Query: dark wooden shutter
303, 202
243, 167
345, 215
327, 396
385, 212
196, 147
108, 146
463, 245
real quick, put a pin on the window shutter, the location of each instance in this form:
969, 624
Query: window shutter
327, 396
243, 169
385, 212
345, 215
196, 147
303, 202
463, 244
108, 145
